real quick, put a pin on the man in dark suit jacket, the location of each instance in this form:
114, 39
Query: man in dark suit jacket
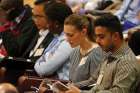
20, 29
43, 38
20, 37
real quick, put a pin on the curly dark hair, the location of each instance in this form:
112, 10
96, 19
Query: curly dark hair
57, 11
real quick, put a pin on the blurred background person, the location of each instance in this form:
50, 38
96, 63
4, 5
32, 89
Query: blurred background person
8, 88
17, 34
133, 42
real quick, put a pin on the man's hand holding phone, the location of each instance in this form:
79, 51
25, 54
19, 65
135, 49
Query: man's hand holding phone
60, 86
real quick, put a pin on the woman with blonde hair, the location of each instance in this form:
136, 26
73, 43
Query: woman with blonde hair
79, 31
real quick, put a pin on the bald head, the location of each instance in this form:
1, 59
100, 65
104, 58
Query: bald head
7, 88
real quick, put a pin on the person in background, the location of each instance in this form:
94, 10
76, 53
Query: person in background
20, 31
133, 42
8, 88
120, 71
132, 22
17, 34
128, 10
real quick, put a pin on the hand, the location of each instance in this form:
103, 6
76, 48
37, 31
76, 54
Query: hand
42, 87
42, 90
73, 89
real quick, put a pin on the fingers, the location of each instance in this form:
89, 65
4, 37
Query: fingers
73, 89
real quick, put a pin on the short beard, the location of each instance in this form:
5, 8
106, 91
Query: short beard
110, 47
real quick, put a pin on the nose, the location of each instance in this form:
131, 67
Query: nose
68, 39
35, 20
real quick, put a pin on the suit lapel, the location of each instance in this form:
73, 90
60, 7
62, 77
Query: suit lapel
31, 46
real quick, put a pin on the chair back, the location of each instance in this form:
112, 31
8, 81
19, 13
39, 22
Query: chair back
138, 87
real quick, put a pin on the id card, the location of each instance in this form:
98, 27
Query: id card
39, 52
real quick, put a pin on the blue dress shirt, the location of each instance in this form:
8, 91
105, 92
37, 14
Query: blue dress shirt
55, 59
128, 9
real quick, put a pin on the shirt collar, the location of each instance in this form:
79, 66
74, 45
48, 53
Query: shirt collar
43, 32
60, 37
120, 51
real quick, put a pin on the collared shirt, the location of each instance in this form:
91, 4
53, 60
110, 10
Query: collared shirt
42, 35
55, 58
120, 75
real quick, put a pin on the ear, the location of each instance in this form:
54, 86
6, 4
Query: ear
84, 31
115, 35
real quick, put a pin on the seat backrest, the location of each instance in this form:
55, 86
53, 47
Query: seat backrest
138, 86
133, 42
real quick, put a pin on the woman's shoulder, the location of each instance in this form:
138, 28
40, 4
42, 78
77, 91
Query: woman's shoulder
97, 50
97, 53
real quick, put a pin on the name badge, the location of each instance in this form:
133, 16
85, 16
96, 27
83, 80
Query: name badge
83, 61
39, 52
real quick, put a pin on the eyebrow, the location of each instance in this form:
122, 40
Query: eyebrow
99, 34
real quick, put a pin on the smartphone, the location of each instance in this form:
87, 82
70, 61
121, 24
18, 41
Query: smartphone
60, 86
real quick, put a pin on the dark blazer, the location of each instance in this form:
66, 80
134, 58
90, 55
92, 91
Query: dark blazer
17, 39
15, 68
21, 62
44, 44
